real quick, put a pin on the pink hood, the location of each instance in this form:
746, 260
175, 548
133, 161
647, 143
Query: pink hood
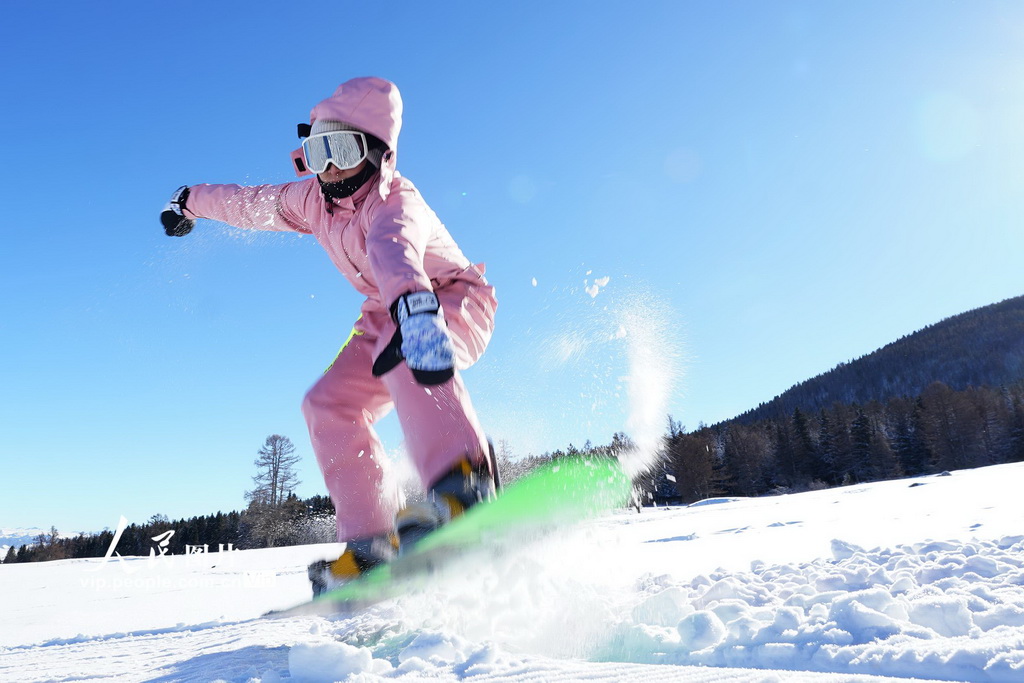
373, 105
385, 240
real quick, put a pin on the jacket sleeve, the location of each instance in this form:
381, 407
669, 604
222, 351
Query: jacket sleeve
260, 207
396, 243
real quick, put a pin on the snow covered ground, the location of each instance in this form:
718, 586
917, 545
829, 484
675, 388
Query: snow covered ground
914, 578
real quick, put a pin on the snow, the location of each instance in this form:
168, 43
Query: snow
890, 581
11, 537
594, 289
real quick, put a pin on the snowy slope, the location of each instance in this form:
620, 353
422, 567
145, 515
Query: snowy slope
920, 577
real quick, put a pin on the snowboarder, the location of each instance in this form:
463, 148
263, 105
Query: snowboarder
426, 304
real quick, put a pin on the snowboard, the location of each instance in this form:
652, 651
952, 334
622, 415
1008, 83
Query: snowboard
559, 493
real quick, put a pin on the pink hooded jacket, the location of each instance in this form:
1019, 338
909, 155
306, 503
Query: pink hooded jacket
384, 239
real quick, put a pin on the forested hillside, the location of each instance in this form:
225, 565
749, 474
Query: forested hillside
938, 430
983, 347
950, 396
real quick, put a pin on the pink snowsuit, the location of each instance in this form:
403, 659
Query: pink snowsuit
387, 242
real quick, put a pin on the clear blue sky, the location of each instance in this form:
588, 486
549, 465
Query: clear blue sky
785, 185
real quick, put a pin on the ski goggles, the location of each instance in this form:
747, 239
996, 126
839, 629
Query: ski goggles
343, 148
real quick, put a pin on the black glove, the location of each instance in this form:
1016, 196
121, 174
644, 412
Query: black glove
173, 216
421, 339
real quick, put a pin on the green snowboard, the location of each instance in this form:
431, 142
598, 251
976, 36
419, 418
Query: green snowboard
559, 493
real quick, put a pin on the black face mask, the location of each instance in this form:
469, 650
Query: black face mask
347, 187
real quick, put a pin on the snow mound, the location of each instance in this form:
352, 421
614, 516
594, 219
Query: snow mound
951, 611
943, 611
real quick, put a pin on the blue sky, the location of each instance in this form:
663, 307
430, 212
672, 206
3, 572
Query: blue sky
780, 186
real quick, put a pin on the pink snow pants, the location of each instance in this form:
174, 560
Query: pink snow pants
439, 423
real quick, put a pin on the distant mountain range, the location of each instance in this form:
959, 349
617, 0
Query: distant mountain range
982, 347
17, 538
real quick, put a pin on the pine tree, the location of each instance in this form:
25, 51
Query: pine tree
806, 460
873, 458
883, 463
990, 440
910, 445
954, 428
829, 470
861, 443
1015, 447
620, 444
785, 460
694, 462
744, 458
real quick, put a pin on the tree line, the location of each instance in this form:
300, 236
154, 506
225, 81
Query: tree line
982, 347
296, 521
274, 517
939, 430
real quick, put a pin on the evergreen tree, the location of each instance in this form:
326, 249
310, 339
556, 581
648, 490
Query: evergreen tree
861, 445
873, 458
994, 424
620, 444
953, 428
883, 463
744, 459
910, 445
694, 462
1015, 445
830, 469
785, 473
806, 460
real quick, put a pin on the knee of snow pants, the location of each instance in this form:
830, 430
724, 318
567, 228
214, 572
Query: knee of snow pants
439, 424
340, 410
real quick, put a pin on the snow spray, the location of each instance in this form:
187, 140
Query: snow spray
653, 370
603, 358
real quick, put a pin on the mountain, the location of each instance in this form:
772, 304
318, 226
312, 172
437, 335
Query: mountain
17, 538
982, 347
